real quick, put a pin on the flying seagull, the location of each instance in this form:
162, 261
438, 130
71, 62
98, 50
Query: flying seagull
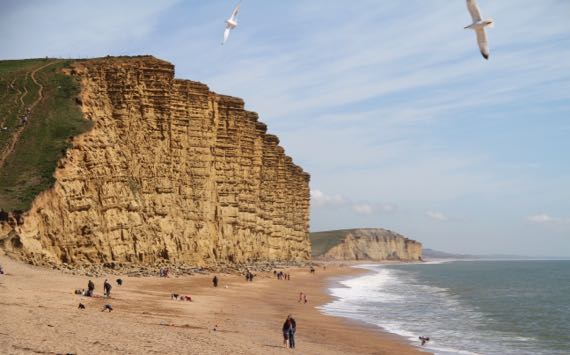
478, 26
231, 23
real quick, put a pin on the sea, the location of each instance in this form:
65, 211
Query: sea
464, 307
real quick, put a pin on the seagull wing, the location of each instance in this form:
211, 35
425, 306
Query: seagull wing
482, 41
474, 10
226, 35
235, 12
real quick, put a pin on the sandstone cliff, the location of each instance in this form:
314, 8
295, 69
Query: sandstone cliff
365, 244
169, 171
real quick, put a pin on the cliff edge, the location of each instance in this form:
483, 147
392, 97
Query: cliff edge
170, 171
364, 244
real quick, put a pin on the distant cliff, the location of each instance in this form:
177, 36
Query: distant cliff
364, 244
170, 171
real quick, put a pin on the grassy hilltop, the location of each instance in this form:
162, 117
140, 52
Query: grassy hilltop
29, 151
321, 242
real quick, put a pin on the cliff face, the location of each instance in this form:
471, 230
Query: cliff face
374, 244
170, 171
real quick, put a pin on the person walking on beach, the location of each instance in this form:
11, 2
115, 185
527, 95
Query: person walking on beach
90, 288
300, 297
289, 329
215, 281
292, 333
286, 328
107, 288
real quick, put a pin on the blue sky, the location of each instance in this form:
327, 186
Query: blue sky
389, 105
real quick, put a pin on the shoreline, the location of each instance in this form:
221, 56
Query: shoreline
336, 282
39, 314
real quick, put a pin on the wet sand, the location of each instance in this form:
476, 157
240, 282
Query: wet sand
39, 314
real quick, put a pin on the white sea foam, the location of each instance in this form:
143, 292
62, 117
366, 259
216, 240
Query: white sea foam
451, 351
439, 261
367, 287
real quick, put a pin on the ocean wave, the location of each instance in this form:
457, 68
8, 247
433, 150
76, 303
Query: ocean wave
401, 302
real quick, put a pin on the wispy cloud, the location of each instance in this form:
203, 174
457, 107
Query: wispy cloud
542, 218
362, 208
320, 199
436, 215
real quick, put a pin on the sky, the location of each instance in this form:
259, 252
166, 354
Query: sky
388, 105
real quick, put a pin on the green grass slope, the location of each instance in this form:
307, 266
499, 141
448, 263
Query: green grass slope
29, 152
321, 242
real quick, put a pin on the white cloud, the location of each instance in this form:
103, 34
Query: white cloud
541, 218
387, 207
321, 199
362, 208
438, 216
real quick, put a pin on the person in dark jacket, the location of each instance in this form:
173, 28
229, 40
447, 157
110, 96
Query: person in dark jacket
285, 329
107, 288
215, 281
289, 328
292, 331
90, 289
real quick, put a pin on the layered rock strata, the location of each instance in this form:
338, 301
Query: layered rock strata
375, 244
170, 172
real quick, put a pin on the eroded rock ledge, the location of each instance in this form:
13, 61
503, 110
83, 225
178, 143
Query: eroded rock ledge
170, 171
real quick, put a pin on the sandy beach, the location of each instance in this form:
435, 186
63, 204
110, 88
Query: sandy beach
39, 314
